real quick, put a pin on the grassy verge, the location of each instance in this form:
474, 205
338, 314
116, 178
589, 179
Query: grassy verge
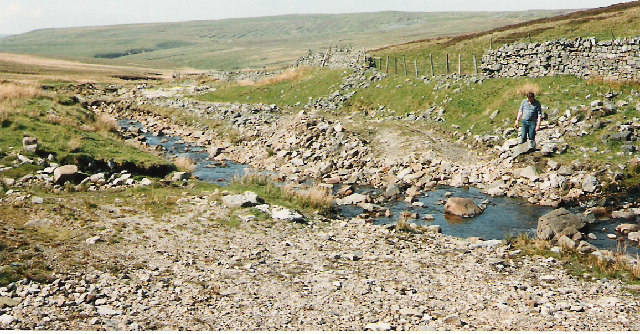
581, 265
71, 133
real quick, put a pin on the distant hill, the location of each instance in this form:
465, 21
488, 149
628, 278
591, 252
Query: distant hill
250, 42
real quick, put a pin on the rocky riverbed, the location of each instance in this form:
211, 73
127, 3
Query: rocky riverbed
186, 271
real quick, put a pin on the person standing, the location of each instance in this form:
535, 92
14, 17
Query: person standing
531, 115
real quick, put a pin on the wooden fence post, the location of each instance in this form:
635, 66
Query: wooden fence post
475, 64
459, 64
415, 63
395, 65
447, 64
404, 62
387, 67
431, 61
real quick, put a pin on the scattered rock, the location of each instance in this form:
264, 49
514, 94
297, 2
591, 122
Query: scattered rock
559, 222
248, 199
65, 173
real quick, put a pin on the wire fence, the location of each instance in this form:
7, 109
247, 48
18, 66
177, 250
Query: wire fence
428, 66
466, 63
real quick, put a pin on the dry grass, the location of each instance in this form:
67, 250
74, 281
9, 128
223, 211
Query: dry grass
185, 164
527, 88
314, 197
290, 74
10, 90
105, 124
245, 82
612, 83
75, 144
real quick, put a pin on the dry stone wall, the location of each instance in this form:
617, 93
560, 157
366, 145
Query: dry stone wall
337, 58
614, 59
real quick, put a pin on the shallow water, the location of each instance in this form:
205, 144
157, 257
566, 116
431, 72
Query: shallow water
503, 216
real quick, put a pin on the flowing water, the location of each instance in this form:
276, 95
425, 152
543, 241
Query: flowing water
503, 216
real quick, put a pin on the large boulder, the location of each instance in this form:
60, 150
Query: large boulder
65, 173
524, 148
246, 200
463, 207
559, 222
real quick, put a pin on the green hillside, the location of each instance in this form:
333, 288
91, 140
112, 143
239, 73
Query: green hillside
250, 42
622, 20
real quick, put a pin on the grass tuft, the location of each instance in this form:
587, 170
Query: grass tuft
185, 164
525, 89
313, 199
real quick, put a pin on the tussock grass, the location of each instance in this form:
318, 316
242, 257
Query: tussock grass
75, 144
185, 164
291, 74
527, 88
10, 90
583, 265
105, 124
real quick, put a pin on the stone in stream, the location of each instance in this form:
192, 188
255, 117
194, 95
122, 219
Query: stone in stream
392, 191
65, 173
463, 207
634, 236
559, 222
626, 228
353, 199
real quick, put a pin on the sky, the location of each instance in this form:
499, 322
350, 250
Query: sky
19, 16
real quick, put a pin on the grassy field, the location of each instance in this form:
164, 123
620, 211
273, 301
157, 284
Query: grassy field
290, 88
250, 42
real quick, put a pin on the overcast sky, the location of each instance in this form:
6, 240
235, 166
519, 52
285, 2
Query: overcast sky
18, 16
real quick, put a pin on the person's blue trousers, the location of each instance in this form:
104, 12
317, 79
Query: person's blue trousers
528, 130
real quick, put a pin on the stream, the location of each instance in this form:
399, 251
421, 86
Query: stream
503, 216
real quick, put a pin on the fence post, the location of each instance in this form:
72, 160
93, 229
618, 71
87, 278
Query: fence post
447, 64
529, 34
612, 35
415, 63
387, 67
475, 64
459, 64
431, 61
404, 62
395, 65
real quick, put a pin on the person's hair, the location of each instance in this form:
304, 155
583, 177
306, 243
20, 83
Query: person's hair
531, 94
